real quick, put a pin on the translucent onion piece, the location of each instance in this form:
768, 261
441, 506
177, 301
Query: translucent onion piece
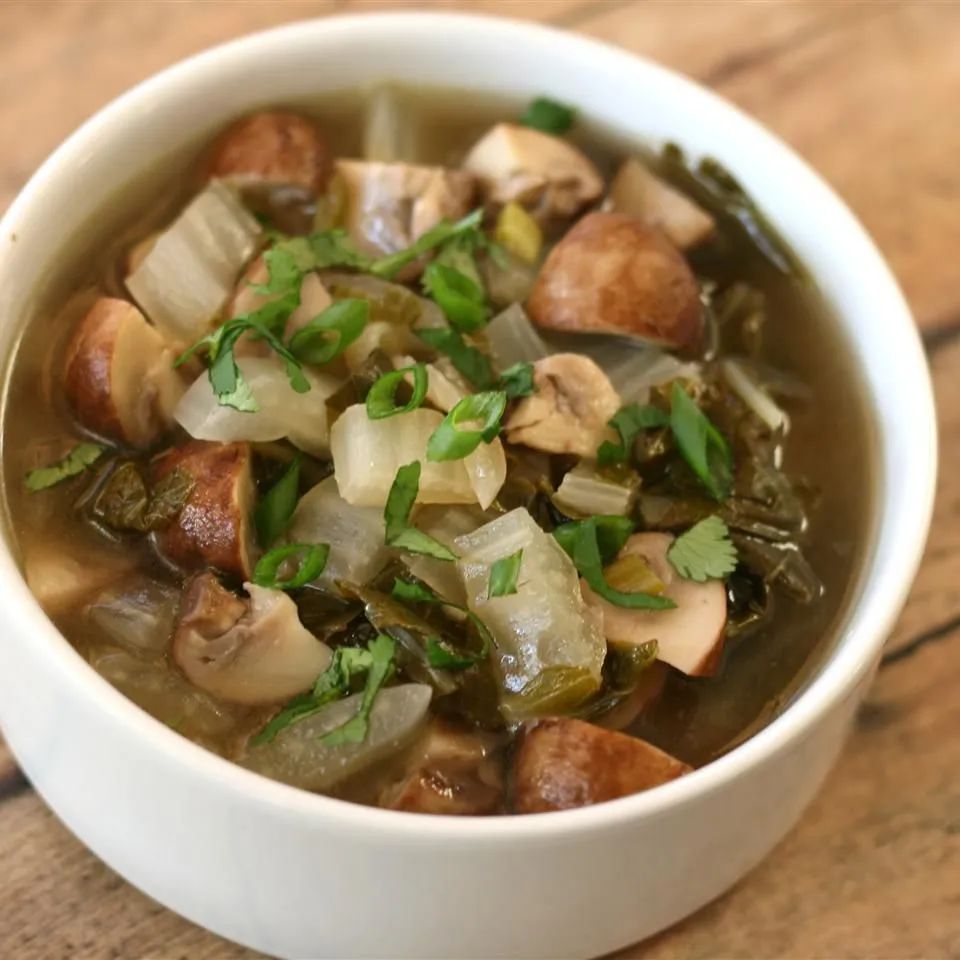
549, 648
486, 471
367, 454
585, 493
355, 535
137, 615
444, 524
301, 417
390, 129
389, 302
513, 339
299, 756
380, 335
191, 271
635, 371
754, 396
443, 390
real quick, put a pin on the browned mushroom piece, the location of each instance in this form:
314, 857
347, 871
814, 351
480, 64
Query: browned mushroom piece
252, 651
614, 274
214, 528
272, 148
564, 763
689, 636
119, 377
449, 770
570, 410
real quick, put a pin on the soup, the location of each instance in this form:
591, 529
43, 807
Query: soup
483, 474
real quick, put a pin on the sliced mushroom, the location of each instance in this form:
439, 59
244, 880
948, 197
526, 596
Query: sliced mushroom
214, 528
639, 193
564, 763
614, 274
449, 770
274, 148
389, 205
570, 409
119, 376
690, 636
543, 173
252, 651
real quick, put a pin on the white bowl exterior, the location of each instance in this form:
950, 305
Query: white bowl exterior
298, 875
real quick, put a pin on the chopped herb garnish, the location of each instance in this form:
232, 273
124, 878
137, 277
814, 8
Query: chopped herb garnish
450, 442
460, 253
704, 552
582, 540
382, 397
334, 683
629, 422
701, 444
469, 361
76, 461
388, 267
313, 558
548, 115
444, 653
396, 514
517, 381
458, 296
382, 650
273, 513
329, 333
503, 575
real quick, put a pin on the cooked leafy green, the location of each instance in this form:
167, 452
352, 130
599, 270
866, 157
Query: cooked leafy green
74, 462
127, 502
629, 422
704, 552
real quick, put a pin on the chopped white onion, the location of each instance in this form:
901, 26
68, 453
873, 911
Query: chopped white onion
301, 417
585, 493
513, 339
368, 453
541, 631
191, 270
355, 534
486, 470
299, 756
754, 396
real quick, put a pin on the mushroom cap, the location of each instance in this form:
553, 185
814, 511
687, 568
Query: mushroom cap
541, 172
563, 763
119, 377
252, 651
570, 409
614, 274
689, 636
274, 147
214, 528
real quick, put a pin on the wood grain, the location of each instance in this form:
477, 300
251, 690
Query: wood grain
867, 92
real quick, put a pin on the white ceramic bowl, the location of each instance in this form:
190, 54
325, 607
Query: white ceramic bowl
301, 875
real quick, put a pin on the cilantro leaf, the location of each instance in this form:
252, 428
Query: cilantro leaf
629, 421
704, 552
702, 445
382, 650
548, 115
396, 514
75, 461
503, 575
517, 381
469, 361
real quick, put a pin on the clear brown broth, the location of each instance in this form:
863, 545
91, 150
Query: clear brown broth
830, 441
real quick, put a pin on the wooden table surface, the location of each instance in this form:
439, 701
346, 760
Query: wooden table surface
868, 92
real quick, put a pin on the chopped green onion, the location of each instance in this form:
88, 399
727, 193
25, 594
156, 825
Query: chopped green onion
382, 399
74, 462
388, 267
582, 541
548, 115
629, 422
517, 381
396, 514
701, 444
704, 552
410, 592
273, 513
329, 333
503, 575
313, 558
449, 442
458, 296
382, 650
469, 361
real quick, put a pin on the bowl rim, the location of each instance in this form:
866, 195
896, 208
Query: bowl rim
884, 580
